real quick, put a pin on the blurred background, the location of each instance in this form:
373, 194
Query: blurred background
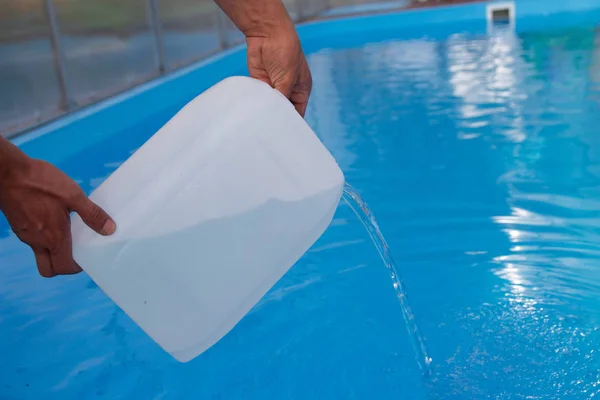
59, 55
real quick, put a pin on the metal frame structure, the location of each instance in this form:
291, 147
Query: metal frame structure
300, 10
66, 102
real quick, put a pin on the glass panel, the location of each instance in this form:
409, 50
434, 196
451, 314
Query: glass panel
232, 35
190, 30
314, 7
349, 7
29, 91
307, 9
108, 46
292, 8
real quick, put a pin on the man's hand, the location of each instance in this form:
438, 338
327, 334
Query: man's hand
275, 55
37, 200
279, 61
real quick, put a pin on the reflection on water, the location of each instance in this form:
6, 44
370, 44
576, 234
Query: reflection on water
479, 156
484, 154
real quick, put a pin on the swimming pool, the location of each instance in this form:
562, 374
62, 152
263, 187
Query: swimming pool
479, 156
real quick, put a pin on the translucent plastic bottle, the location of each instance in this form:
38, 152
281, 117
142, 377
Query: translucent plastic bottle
211, 212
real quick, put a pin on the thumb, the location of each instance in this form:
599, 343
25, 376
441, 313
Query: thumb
94, 216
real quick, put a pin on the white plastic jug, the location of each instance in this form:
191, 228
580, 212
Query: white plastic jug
211, 212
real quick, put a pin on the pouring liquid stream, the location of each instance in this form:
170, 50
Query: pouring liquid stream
364, 214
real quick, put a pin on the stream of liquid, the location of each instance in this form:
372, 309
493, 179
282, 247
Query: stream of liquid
364, 214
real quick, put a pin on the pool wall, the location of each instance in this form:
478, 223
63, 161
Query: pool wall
537, 8
96, 123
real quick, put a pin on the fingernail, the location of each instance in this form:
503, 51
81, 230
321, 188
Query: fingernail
109, 227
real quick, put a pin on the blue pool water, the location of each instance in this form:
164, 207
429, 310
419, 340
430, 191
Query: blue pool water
480, 157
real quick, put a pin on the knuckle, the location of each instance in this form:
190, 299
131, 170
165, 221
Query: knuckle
53, 248
54, 242
95, 213
280, 75
288, 79
76, 197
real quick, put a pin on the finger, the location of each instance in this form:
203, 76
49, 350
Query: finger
301, 108
300, 101
94, 216
62, 259
285, 85
301, 92
42, 259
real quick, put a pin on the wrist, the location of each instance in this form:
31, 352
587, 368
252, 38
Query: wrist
270, 27
12, 160
258, 18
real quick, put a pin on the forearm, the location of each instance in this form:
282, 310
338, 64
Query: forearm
257, 18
